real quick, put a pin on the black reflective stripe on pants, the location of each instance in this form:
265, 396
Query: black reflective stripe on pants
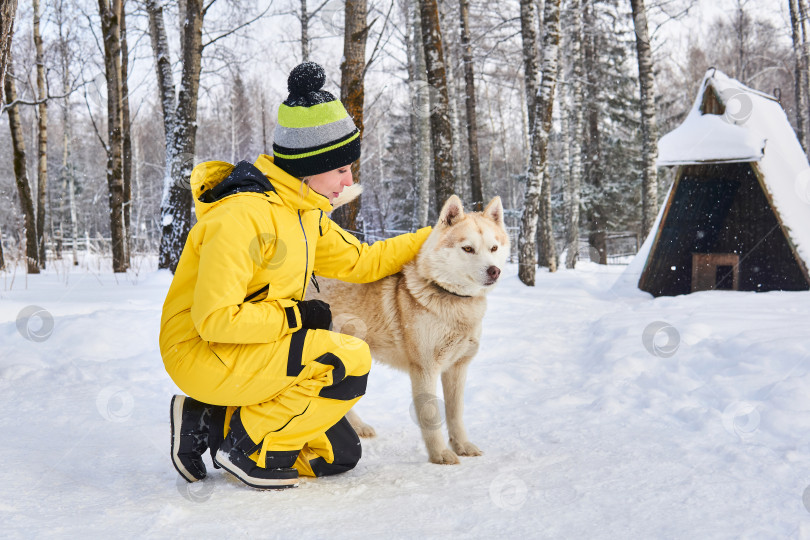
343, 387
295, 358
345, 446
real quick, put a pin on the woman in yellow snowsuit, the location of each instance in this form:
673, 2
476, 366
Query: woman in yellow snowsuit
258, 361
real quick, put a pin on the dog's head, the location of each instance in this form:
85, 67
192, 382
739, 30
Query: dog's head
466, 252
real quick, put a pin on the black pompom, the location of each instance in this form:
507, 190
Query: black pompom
305, 78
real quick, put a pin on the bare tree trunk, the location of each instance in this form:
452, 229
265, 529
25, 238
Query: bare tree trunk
420, 113
540, 135
441, 130
452, 101
109, 12
68, 186
805, 56
126, 126
649, 125
476, 186
42, 137
21, 175
264, 124
531, 70
304, 32
179, 124
597, 220
575, 178
799, 73
352, 94
8, 10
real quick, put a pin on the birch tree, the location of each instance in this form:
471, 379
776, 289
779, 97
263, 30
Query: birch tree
110, 13
42, 136
8, 9
576, 125
352, 92
441, 129
800, 72
596, 215
649, 125
179, 123
476, 186
64, 51
21, 174
418, 90
539, 143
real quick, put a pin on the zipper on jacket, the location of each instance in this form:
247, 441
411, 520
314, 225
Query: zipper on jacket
306, 265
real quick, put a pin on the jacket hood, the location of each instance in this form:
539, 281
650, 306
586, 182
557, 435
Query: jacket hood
212, 181
292, 191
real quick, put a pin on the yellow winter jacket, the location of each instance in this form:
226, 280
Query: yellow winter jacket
249, 259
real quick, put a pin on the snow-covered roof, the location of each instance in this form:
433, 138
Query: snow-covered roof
754, 128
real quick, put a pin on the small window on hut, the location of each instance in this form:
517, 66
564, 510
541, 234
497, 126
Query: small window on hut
711, 103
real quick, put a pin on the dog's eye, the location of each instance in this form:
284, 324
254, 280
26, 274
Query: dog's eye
494, 249
468, 249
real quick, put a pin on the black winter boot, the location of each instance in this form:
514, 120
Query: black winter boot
233, 456
196, 426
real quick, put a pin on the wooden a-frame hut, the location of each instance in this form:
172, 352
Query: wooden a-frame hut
738, 213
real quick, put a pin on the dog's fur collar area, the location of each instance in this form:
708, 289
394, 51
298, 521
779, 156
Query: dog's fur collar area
442, 289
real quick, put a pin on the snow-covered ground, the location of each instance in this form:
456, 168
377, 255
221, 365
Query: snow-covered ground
602, 413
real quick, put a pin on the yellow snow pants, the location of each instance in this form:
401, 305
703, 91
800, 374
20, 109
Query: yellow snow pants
293, 393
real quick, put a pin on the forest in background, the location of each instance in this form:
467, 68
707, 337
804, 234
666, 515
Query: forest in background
559, 117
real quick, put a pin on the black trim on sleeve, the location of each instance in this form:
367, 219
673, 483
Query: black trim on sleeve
292, 320
294, 359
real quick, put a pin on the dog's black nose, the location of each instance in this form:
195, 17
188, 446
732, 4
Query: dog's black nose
493, 272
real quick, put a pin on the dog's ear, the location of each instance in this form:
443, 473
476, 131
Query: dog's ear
494, 211
452, 211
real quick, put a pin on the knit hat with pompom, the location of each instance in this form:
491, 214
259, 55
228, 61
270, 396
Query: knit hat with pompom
314, 134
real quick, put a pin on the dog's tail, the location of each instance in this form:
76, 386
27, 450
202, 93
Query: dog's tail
346, 196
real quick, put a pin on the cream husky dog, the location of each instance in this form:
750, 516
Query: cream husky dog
426, 320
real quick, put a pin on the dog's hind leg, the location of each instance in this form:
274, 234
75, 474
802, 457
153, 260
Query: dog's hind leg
360, 427
453, 385
428, 414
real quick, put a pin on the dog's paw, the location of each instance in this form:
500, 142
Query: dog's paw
445, 457
364, 430
465, 448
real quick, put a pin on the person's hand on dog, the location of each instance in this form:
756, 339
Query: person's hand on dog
315, 315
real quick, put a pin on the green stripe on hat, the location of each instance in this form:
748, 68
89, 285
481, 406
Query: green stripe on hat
319, 151
316, 115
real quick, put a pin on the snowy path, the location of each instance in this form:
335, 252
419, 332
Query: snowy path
586, 432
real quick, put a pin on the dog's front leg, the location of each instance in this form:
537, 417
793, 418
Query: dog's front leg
427, 408
453, 385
